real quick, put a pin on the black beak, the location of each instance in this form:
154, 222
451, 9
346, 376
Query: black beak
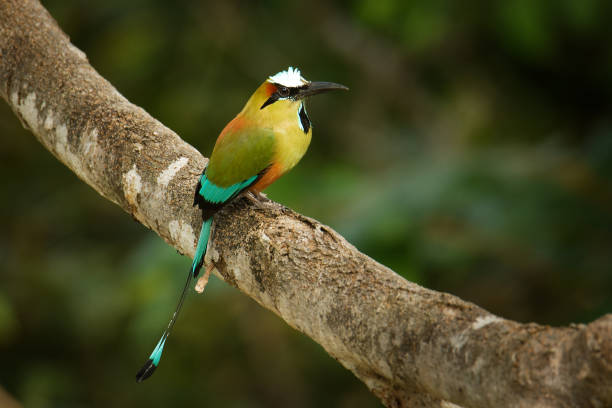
313, 88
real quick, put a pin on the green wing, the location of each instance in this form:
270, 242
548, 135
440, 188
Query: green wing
236, 162
240, 155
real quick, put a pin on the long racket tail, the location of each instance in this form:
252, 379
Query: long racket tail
149, 367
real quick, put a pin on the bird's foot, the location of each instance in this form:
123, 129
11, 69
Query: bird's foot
262, 197
258, 199
203, 281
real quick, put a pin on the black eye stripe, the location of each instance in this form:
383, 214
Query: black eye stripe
284, 91
294, 91
276, 95
273, 98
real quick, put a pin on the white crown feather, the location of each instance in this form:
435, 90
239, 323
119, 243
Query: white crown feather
289, 78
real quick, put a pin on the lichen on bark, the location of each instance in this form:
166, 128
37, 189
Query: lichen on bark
410, 345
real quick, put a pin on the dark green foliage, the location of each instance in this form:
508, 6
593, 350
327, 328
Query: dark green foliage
473, 155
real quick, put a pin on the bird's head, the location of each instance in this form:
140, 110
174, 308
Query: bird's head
281, 98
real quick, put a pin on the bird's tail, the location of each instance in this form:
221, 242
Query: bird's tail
147, 370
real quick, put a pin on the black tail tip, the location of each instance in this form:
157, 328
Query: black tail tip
146, 371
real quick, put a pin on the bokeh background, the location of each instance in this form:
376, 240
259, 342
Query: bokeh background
472, 155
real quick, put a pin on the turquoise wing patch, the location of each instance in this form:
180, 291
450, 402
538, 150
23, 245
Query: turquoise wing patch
219, 195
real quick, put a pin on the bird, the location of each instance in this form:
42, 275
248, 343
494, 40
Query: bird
264, 141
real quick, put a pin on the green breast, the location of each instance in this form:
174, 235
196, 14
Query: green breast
292, 144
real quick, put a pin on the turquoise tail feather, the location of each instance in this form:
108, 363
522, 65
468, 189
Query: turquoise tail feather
149, 367
198, 258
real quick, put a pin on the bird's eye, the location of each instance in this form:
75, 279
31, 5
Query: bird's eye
283, 91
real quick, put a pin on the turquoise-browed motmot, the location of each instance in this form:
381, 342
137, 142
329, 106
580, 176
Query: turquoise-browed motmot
264, 141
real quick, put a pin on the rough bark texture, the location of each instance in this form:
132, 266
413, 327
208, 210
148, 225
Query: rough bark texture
411, 346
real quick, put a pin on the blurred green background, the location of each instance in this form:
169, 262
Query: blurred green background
472, 155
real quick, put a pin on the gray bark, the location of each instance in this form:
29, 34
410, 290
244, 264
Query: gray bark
410, 345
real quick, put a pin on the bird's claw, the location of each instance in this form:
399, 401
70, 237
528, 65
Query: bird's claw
258, 199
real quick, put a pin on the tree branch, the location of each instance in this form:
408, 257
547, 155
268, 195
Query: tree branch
411, 346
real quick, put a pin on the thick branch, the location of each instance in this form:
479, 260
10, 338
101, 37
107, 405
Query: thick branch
410, 345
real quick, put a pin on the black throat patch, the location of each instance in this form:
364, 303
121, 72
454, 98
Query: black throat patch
304, 120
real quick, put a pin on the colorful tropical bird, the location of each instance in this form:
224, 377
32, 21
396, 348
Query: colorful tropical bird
264, 141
